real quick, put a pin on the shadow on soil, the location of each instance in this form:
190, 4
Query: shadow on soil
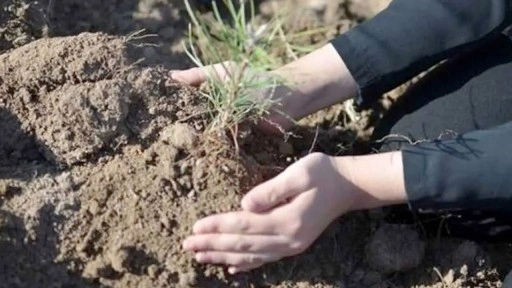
163, 23
22, 156
28, 256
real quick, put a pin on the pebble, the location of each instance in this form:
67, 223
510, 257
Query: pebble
94, 207
449, 278
153, 271
119, 259
187, 279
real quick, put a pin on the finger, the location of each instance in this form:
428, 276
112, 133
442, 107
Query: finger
271, 194
197, 76
245, 268
235, 223
234, 259
192, 77
235, 243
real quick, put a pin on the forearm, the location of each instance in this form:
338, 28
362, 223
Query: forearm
411, 36
315, 81
469, 172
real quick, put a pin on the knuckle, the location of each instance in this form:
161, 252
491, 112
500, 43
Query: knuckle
242, 224
272, 197
294, 229
242, 245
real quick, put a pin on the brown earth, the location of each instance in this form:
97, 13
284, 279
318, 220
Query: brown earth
104, 166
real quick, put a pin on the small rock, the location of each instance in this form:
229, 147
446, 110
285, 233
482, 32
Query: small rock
119, 259
150, 156
188, 279
184, 168
480, 275
199, 172
4, 189
22, 40
395, 248
25, 95
449, 277
153, 271
98, 268
464, 271
191, 194
167, 223
94, 207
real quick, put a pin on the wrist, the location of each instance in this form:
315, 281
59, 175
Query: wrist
374, 180
314, 82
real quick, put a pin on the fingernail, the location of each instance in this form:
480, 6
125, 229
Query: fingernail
198, 227
175, 75
200, 257
186, 245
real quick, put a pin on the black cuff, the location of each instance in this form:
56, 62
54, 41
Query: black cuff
472, 171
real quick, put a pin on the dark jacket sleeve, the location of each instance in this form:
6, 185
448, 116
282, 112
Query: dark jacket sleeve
472, 171
411, 36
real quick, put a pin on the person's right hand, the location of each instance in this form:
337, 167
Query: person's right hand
311, 83
278, 120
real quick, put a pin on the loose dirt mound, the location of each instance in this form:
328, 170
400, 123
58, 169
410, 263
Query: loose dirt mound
126, 166
114, 125
80, 96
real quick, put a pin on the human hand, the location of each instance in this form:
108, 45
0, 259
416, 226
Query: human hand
280, 218
280, 117
311, 83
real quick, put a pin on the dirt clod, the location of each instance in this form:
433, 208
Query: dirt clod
395, 248
179, 135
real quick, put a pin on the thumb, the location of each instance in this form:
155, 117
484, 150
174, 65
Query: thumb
269, 194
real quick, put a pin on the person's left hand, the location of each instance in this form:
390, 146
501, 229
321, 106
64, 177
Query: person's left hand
282, 217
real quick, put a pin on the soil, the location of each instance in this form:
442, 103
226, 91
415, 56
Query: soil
105, 165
